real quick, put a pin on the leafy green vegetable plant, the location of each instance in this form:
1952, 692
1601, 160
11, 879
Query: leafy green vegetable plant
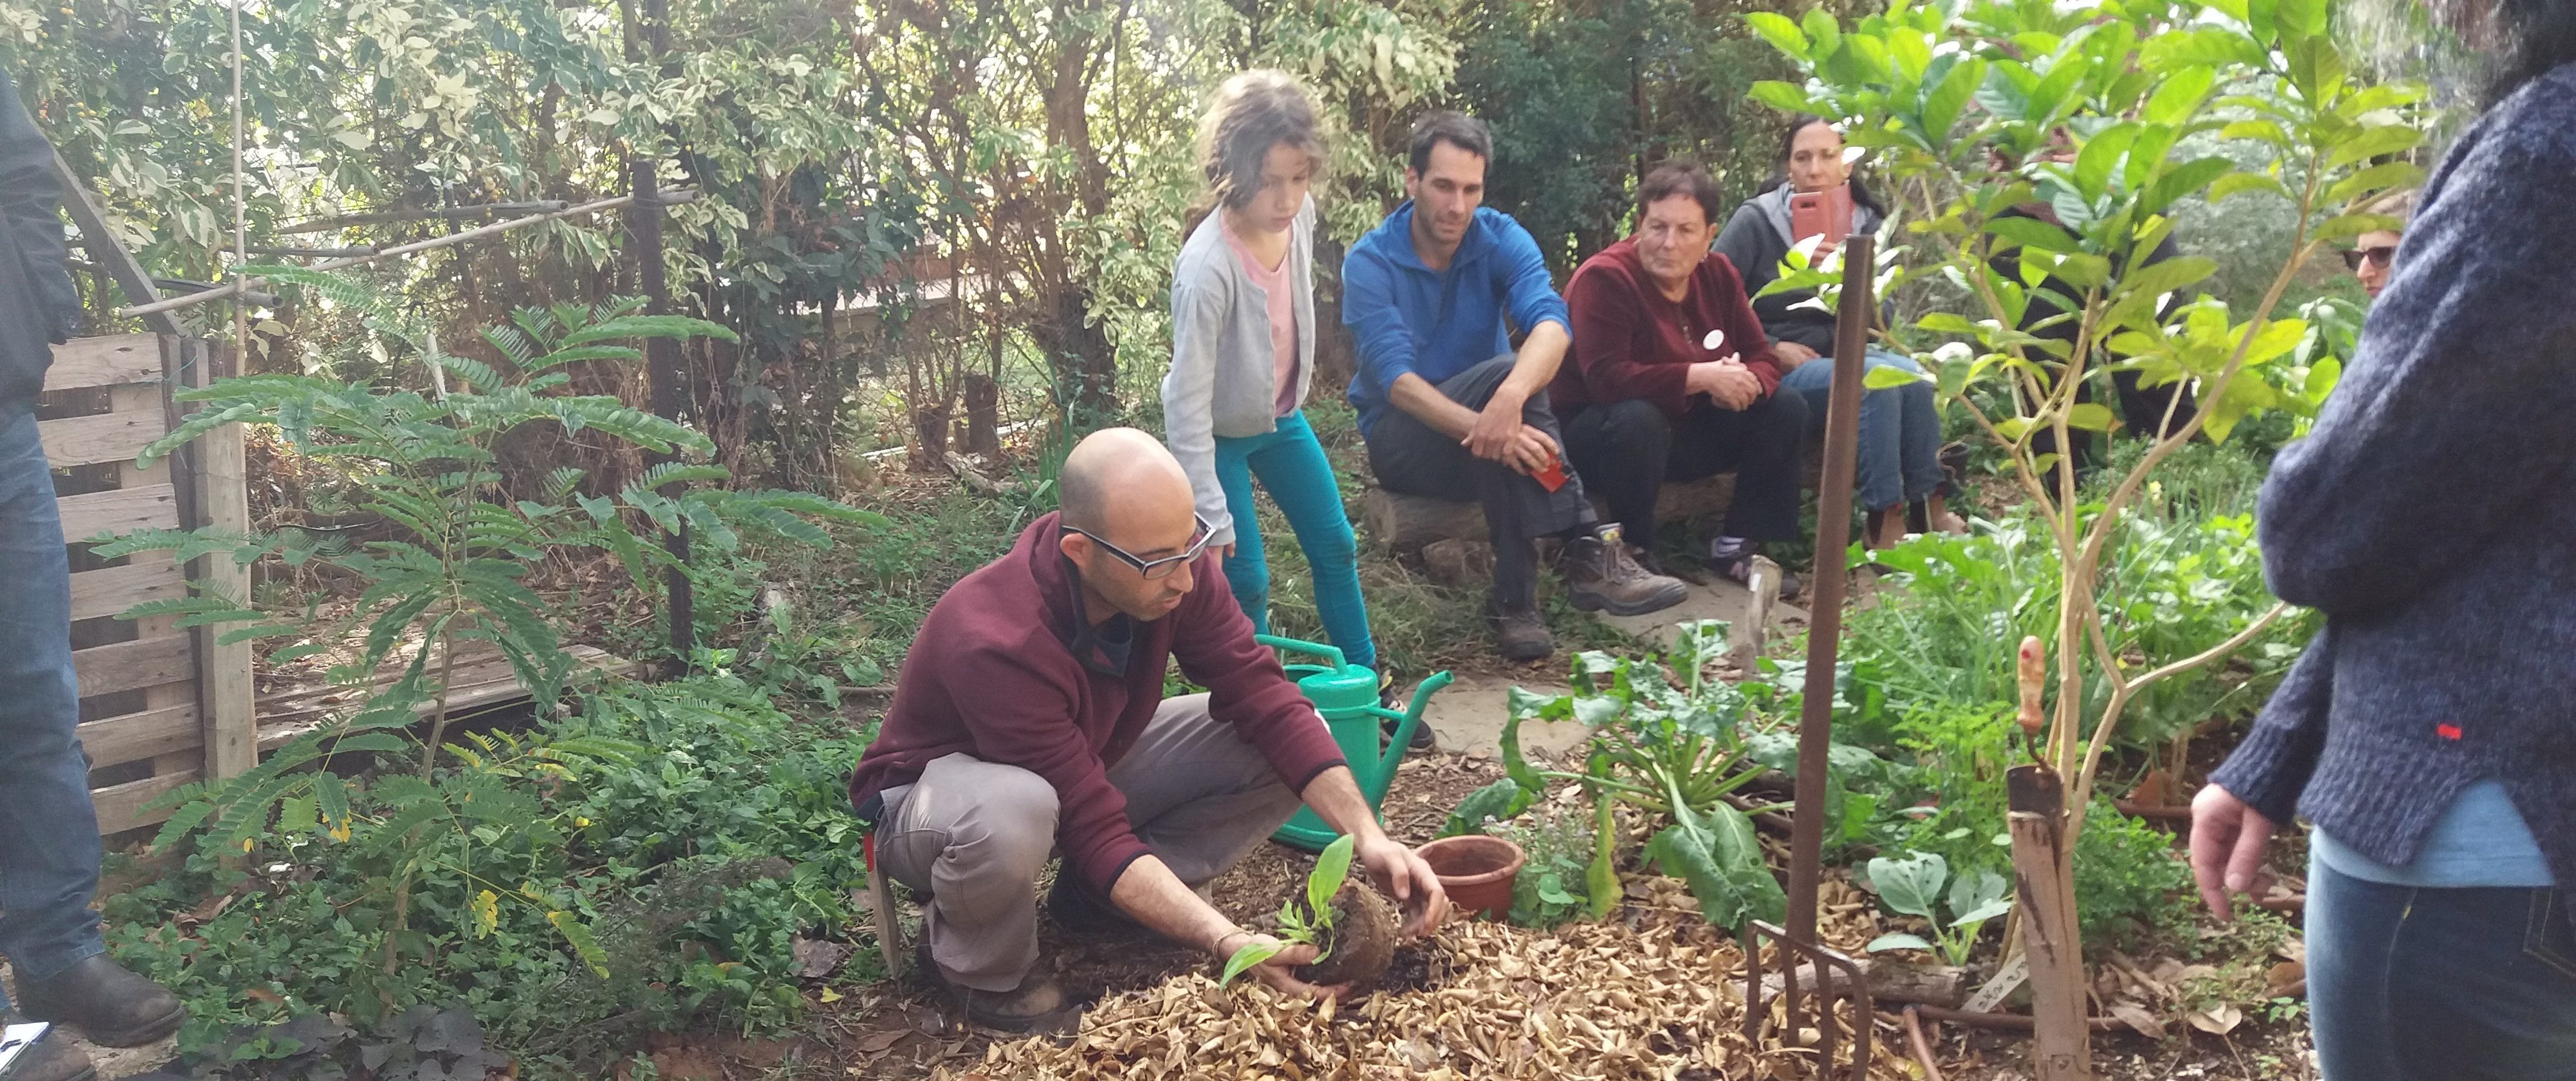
1913, 886
1303, 921
1667, 749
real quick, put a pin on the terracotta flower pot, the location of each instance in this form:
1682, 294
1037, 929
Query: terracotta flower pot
1477, 871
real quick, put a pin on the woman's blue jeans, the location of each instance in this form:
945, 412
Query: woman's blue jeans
49, 849
1293, 468
1900, 430
2413, 983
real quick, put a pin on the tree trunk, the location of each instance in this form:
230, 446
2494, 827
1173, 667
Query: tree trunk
930, 437
2043, 870
983, 415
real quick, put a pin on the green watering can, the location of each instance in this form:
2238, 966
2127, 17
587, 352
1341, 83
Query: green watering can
1346, 694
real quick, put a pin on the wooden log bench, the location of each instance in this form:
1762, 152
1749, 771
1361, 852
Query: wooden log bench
1407, 523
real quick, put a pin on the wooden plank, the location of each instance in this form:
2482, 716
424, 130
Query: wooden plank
482, 680
120, 807
111, 590
149, 734
224, 688
107, 437
123, 510
105, 362
126, 666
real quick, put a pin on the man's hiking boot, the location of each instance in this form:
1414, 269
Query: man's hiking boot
1601, 577
1519, 634
1036, 1005
53, 1058
111, 1006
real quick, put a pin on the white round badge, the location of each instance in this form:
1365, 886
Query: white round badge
1715, 338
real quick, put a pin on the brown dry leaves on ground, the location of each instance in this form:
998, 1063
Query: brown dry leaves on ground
1659, 1000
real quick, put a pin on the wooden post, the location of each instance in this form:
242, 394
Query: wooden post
661, 355
222, 501
2044, 878
1825, 614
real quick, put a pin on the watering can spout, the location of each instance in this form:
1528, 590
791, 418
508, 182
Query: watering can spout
1345, 695
1406, 722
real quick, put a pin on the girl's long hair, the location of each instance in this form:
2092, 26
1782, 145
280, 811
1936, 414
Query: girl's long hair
1250, 113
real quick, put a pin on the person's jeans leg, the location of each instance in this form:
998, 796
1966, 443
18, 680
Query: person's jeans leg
1293, 467
1879, 471
2477, 992
975, 835
2351, 925
1197, 794
1620, 451
1247, 570
49, 844
1410, 457
2424, 984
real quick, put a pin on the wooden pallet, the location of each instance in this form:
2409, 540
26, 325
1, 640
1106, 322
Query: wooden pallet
147, 718
481, 681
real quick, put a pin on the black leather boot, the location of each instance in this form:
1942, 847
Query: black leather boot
111, 1006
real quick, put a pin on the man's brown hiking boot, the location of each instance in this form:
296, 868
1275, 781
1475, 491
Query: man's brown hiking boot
1036, 1005
1600, 577
1519, 634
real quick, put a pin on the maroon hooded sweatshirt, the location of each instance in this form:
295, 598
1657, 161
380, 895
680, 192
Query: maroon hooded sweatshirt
994, 674
1632, 343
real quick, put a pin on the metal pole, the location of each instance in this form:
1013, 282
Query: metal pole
662, 355
1825, 618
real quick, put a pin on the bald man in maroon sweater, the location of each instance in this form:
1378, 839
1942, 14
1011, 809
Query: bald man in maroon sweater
1030, 720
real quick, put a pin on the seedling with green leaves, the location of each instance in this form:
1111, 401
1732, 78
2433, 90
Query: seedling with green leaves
1303, 921
1913, 886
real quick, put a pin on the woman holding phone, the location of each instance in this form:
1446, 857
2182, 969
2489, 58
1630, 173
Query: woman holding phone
1243, 349
1899, 477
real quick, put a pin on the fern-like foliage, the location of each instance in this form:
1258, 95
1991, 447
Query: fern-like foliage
448, 571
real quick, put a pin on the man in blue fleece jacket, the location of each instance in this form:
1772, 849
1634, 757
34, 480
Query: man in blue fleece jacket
1451, 411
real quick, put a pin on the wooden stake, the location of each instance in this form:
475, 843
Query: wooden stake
2043, 873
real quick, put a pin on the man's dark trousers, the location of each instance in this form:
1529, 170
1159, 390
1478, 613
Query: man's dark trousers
1627, 450
1416, 459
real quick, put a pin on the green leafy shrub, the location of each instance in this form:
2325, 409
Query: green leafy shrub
1913, 886
1557, 848
574, 903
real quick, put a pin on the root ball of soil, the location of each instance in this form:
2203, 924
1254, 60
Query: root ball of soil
1364, 929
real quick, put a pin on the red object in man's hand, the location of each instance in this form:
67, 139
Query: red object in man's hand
1552, 477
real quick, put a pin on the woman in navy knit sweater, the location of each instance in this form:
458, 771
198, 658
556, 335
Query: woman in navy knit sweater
2427, 732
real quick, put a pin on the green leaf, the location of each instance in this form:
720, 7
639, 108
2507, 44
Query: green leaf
1950, 97
2181, 95
1896, 940
1889, 377
1252, 953
1784, 97
2240, 183
2101, 154
2166, 276
578, 934
1783, 34
1502, 800
2373, 142
2377, 178
2182, 181
2033, 233
1600, 879
1910, 886
2090, 416
1976, 897
1331, 867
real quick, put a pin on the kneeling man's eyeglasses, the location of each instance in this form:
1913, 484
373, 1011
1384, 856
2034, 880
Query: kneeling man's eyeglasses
1154, 569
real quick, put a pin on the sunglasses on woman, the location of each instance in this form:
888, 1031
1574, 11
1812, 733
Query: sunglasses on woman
2379, 256
1154, 569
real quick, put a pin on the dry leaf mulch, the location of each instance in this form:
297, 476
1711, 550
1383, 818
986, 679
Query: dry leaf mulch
1660, 999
